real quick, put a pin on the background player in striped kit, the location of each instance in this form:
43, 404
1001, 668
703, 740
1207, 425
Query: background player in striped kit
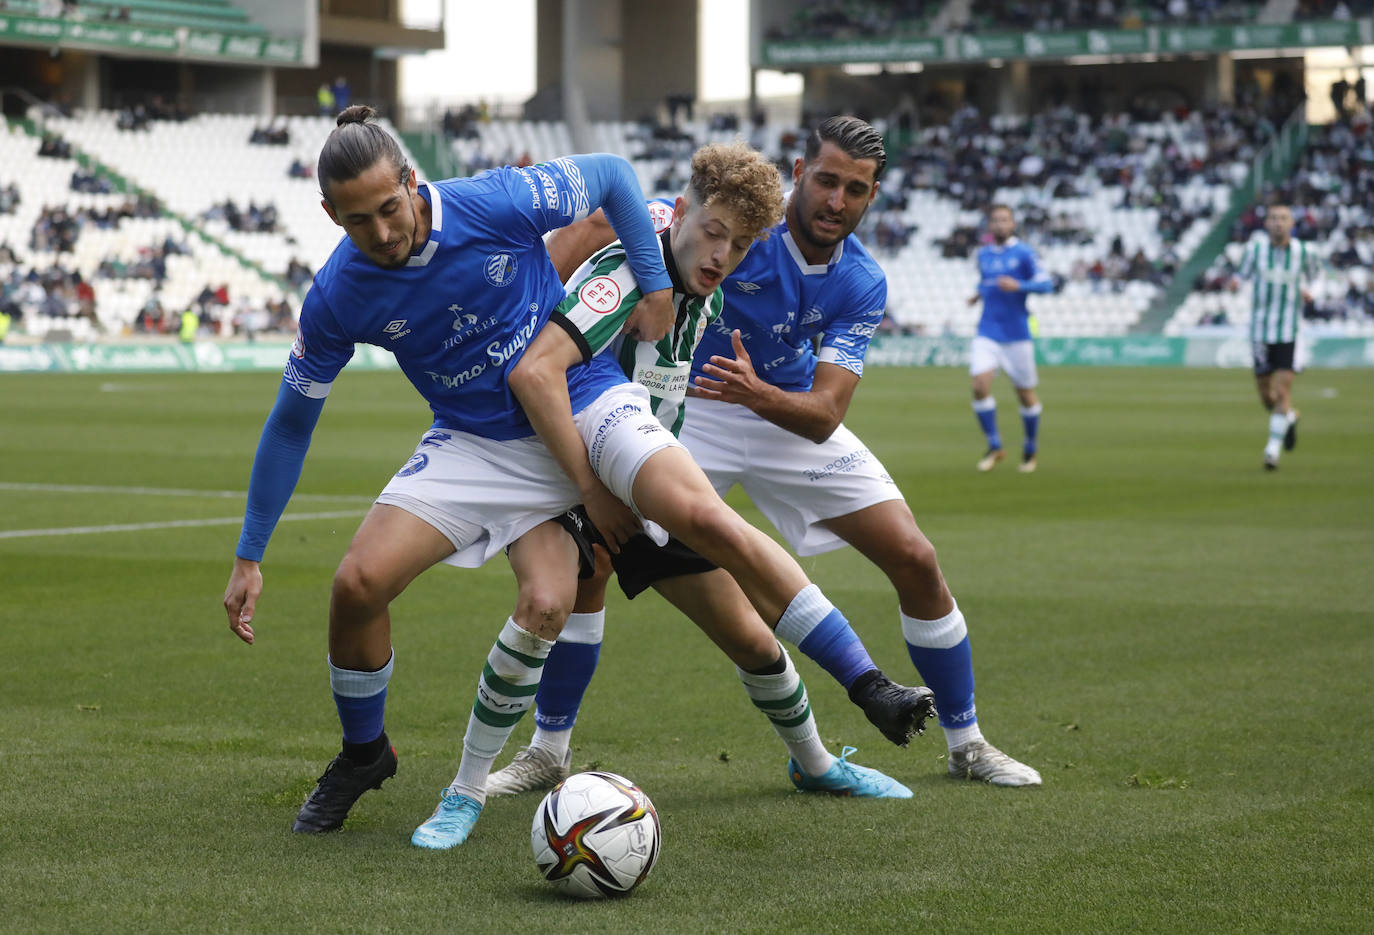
1008, 270
734, 194
1278, 264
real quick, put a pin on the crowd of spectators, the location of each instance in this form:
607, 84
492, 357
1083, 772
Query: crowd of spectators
58, 226
55, 292
1046, 16
1332, 9
256, 219
9, 198
274, 133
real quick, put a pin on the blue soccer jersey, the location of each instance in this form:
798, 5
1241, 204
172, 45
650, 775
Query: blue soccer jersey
457, 317
780, 303
461, 312
1005, 316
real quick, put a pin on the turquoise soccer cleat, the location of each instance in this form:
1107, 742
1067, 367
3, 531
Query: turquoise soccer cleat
450, 824
846, 778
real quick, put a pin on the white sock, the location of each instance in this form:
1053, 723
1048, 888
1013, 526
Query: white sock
1278, 427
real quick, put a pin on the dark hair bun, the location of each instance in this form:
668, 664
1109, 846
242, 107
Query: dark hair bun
358, 113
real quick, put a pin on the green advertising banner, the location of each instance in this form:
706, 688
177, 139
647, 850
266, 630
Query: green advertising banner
883, 351
179, 41
1031, 45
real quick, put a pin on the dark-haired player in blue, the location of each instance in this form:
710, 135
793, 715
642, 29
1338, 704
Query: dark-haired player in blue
1008, 270
767, 413
453, 279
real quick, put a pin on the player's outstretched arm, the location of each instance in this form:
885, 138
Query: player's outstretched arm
540, 381
813, 414
613, 185
276, 469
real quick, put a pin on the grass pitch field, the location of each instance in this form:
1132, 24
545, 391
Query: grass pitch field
1181, 643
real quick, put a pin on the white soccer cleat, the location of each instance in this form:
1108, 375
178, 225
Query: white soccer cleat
980, 760
989, 461
533, 769
1027, 465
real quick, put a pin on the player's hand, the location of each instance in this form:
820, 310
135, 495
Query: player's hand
612, 518
734, 379
1008, 284
652, 316
241, 597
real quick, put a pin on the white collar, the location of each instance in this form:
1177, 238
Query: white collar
436, 224
811, 269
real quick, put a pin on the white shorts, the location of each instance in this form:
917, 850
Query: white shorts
796, 483
1015, 358
483, 494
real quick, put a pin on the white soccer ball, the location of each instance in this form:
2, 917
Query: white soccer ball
595, 834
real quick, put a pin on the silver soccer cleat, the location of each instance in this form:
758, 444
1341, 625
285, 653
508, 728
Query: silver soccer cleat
532, 770
980, 760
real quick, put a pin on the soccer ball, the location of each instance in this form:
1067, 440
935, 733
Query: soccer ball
595, 834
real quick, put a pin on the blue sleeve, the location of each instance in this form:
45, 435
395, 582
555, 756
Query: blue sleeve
1037, 280
277, 467
845, 341
613, 186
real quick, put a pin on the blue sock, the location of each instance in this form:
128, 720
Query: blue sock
361, 700
819, 630
1030, 421
941, 653
986, 411
568, 671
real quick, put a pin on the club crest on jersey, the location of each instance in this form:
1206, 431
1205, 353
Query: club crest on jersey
500, 269
601, 294
661, 215
417, 463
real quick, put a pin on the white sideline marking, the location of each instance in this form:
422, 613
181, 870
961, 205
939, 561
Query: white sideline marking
169, 524
165, 491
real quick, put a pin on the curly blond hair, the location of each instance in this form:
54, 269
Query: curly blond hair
738, 178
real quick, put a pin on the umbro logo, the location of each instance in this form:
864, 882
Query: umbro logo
748, 288
397, 329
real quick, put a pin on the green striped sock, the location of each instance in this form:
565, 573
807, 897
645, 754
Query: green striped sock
783, 700
505, 692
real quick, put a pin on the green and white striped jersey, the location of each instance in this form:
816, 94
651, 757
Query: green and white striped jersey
601, 296
1276, 296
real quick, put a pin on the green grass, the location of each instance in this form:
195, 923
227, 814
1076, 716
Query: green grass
1181, 643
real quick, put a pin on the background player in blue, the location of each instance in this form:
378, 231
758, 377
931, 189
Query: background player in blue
768, 409
1008, 270
451, 277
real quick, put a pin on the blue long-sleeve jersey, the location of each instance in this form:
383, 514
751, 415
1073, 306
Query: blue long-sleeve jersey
1005, 316
458, 316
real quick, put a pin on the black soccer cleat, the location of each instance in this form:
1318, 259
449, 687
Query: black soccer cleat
341, 785
1290, 437
896, 710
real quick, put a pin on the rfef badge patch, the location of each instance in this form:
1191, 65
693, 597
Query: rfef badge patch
600, 294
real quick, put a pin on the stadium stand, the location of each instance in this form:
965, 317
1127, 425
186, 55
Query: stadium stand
1114, 206
115, 242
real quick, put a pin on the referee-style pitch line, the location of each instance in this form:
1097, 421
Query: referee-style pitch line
166, 524
167, 492
169, 524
